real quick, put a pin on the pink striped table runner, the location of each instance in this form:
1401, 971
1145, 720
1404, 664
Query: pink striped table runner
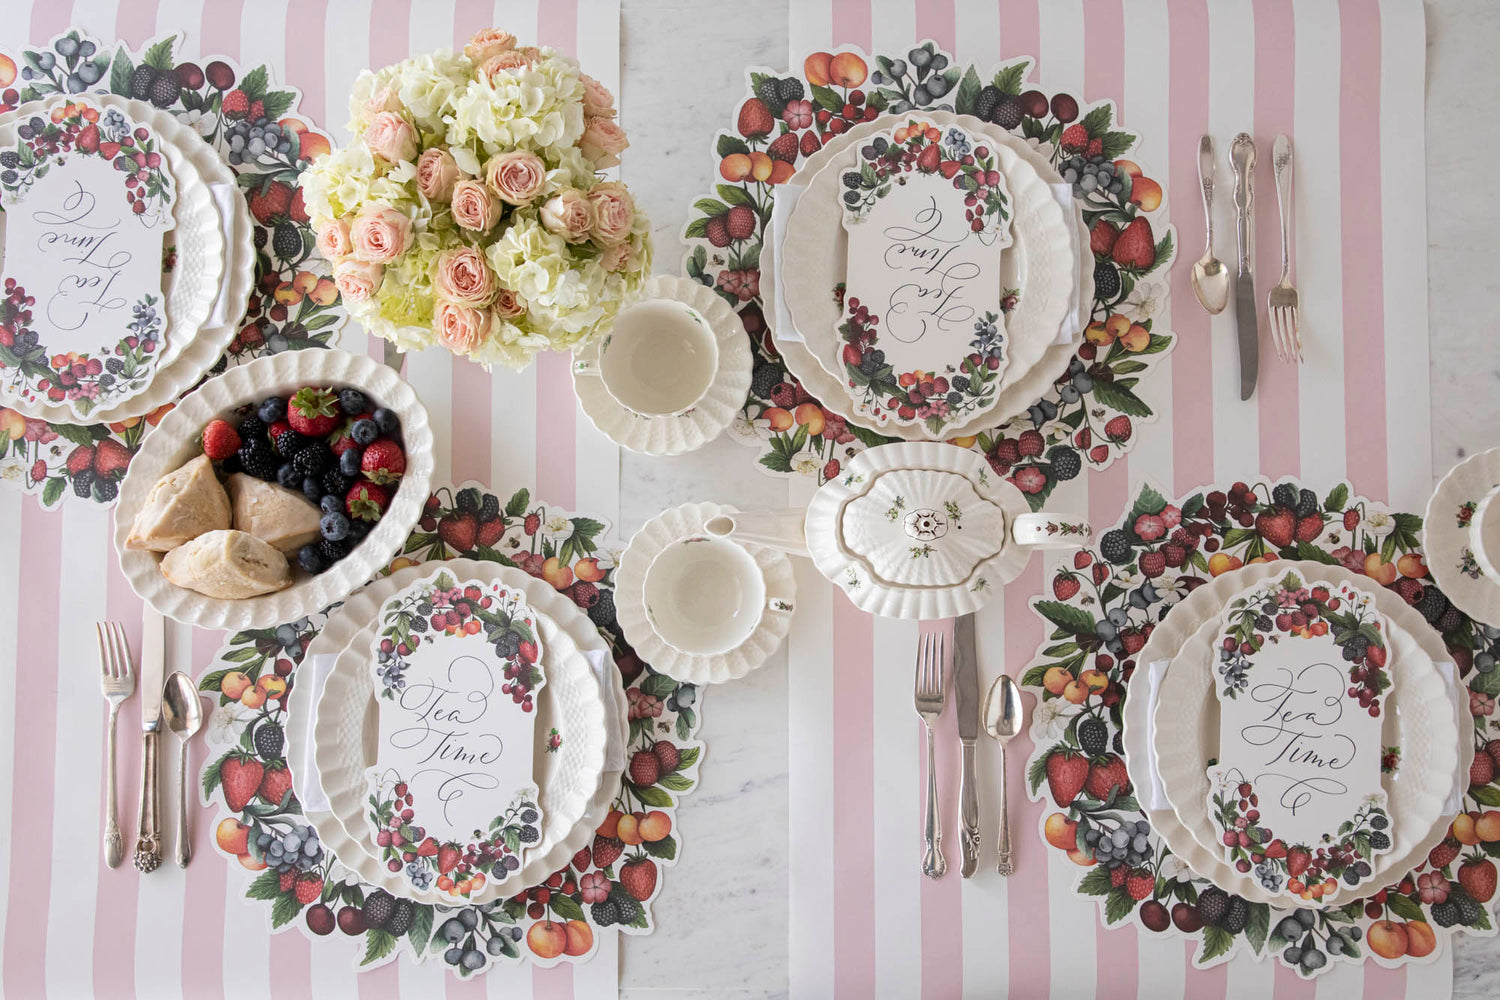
70, 926
1345, 80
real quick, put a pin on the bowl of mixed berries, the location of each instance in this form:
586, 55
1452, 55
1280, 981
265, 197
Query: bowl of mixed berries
274, 490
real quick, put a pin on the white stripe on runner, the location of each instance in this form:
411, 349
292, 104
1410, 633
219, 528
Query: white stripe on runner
513, 982
1436, 979
430, 372
1340, 982
977, 26
1249, 979
808, 28
893, 25
986, 896
599, 977
897, 805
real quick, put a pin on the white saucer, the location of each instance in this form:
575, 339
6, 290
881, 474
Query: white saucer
630, 604
1445, 529
683, 432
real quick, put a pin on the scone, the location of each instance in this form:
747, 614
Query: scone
229, 565
272, 513
181, 506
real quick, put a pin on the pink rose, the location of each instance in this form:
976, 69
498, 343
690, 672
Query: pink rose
333, 239
598, 102
357, 280
569, 215
462, 277
508, 304
473, 206
436, 174
460, 328
391, 137
603, 141
618, 257
380, 234
488, 42
384, 99
614, 212
504, 62
517, 177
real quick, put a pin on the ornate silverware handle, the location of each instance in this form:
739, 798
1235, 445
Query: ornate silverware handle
1005, 867
933, 863
968, 796
148, 842
1206, 179
1242, 158
114, 842
1282, 163
184, 844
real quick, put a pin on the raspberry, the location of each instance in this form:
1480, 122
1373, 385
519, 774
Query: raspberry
1031, 443
741, 221
1153, 564
236, 104
584, 594
644, 768
1141, 883
667, 755
308, 888
1351, 519
532, 524
716, 230
784, 396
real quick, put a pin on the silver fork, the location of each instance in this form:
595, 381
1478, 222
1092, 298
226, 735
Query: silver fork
1283, 297
929, 702
117, 680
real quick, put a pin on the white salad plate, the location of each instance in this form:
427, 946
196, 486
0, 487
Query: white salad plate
675, 434
215, 258
176, 440
811, 265
574, 782
1423, 723
664, 529
1453, 557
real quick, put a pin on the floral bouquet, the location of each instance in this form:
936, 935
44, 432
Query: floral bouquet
470, 212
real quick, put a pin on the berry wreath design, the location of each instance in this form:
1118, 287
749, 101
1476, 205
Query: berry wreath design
254, 124
609, 883
1101, 611
1087, 418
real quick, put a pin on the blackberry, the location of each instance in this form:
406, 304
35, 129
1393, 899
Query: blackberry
252, 427
1115, 546
1378, 822
1445, 914
605, 912
986, 102
165, 91
404, 915
1449, 620
530, 835
1117, 744
1007, 113
1307, 503
286, 241
258, 460
1470, 910
1106, 280
1379, 841
108, 489
1213, 905
1093, 736
141, 82
332, 551
602, 614
1285, 495
1237, 915
630, 910
115, 366
335, 483
766, 91
289, 442
767, 377
489, 507
83, 483
269, 740
379, 907
468, 499
789, 89
312, 458
528, 816
1065, 463
1432, 605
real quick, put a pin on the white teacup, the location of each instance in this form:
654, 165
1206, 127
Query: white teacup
658, 360
706, 596
1484, 534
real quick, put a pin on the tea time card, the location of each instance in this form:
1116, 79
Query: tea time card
457, 667
1296, 794
88, 198
922, 336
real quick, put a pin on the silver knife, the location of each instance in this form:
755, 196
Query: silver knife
153, 677
966, 693
1242, 159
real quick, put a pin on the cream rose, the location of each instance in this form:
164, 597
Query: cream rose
460, 328
379, 234
462, 277
473, 206
614, 212
569, 214
391, 137
333, 239
436, 174
517, 177
598, 102
488, 42
384, 99
508, 304
357, 280
505, 61
618, 257
603, 141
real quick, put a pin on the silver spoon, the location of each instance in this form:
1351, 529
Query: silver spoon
1210, 276
183, 712
1002, 720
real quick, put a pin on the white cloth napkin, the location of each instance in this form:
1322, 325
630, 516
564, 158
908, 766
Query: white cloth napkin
614, 747
1449, 672
311, 676
224, 196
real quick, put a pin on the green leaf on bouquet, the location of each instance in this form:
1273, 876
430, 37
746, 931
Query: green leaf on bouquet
120, 72
518, 502
665, 848
566, 907
1098, 121
1067, 617
1037, 773
159, 56
284, 910
267, 885
1216, 941
652, 796
733, 194
827, 99
1258, 926
1118, 905
1337, 498
1404, 907
378, 944
728, 145
968, 90
1096, 882
1009, 78
1115, 396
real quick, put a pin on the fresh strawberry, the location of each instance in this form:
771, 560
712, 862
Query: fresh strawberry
638, 878
1297, 860
88, 138
1277, 526
784, 148
741, 222
1066, 774
1118, 429
1102, 237
240, 775
220, 440
313, 412
309, 887
459, 530
607, 850
1075, 138
367, 501
1411, 591
236, 104
810, 143
1477, 876
275, 783
755, 119
1309, 527
1276, 849
428, 848
110, 457
644, 768
1135, 247
1444, 854
1105, 775
1140, 884
341, 440
80, 458
1065, 585
1082, 558
448, 857
383, 461
927, 159
491, 531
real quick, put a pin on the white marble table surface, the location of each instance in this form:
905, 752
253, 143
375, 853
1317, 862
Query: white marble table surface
722, 914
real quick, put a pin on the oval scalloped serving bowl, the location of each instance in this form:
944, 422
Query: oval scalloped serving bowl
174, 442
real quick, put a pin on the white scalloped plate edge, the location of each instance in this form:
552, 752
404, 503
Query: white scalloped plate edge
1444, 541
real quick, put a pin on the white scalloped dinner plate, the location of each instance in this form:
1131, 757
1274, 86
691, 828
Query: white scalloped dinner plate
630, 602
1023, 383
175, 441
1447, 540
683, 432
346, 726
1205, 605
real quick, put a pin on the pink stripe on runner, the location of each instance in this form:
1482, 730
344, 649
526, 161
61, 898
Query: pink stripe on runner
852, 23
1384, 984
1187, 120
306, 34
556, 425
220, 30
1021, 32
470, 447
136, 21
557, 25
48, 19
1202, 984
29, 895
473, 988
937, 20
293, 963
1360, 200
380, 983
1276, 394
470, 16
555, 983
941, 899
853, 877
1030, 947
208, 882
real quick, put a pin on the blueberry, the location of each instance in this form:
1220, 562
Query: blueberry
272, 410
335, 526
86, 50
452, 931
66, 46
495, 945
350, 459
469, 918
365, 431
331, 504
387, 421
453, 955
312, 489
310, 559
288, 476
